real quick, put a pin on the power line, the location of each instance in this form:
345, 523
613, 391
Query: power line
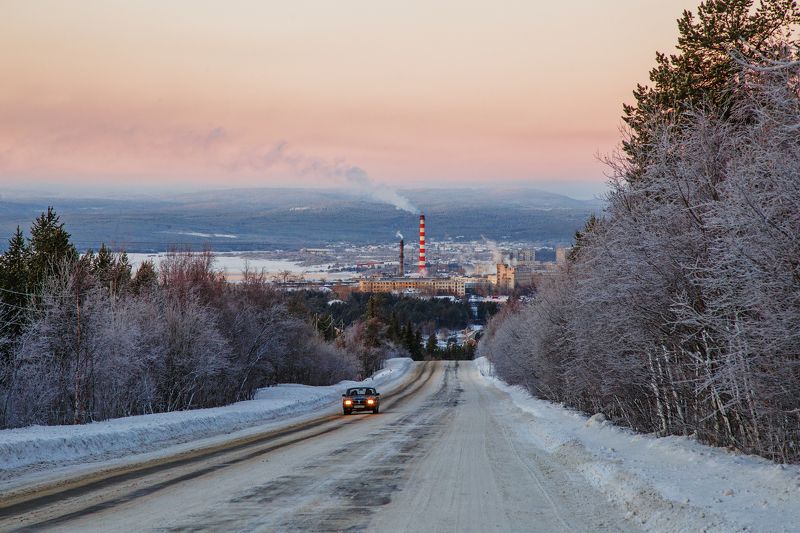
18, 308
29, 295
32, 295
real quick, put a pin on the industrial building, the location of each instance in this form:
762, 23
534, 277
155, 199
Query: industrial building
454, 286
419, 282
523, 270
516, 270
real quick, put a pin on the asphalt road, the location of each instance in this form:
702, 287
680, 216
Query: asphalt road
447, 453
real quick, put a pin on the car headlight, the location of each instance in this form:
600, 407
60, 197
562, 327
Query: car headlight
348, 402
370, 401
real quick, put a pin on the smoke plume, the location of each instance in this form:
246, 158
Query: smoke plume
354, 176
497, 255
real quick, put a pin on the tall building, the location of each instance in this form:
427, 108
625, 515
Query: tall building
511, 277
561, 255
526, 255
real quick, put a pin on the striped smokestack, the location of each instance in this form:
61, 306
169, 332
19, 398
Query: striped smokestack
422, 262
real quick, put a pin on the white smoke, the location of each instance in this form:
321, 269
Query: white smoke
497, 255
338, 169
399, 236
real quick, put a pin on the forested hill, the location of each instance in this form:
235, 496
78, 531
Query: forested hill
247, 219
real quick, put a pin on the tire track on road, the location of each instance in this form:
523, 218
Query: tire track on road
17, 505
341, 489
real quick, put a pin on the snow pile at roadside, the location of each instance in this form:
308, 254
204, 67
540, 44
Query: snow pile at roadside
40, 445
668, 483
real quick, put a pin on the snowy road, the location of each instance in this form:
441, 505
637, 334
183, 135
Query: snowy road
445, 454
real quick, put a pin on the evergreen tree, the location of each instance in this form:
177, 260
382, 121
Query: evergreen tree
14, 270
408, 337
103, 262
374, 330
417, 352
582, 236
120, 274
14, 284
112, 270
49, 246
395, 330
432, 347
704, 72
373, 333
146, 278
374, 306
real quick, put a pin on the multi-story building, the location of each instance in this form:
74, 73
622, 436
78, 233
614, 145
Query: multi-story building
526, 255
510, 277
561, 255
451, 285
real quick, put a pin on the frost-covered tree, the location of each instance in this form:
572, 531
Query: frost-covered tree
705, 70
679, 313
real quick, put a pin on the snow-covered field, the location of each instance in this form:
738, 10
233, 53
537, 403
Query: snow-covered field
37, 447
669, 483
233, 265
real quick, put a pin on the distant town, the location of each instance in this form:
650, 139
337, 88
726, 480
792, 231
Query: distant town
410, 267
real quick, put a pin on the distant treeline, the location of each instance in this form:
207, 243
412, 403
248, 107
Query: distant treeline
428, 315
406, 322
191, 221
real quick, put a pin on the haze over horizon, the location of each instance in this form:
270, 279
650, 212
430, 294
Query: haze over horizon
183, 96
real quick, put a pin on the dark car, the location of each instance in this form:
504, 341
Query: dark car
361, 399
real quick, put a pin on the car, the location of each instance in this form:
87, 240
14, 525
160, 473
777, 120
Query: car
361, 399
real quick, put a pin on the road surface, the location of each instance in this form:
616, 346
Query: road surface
447, 453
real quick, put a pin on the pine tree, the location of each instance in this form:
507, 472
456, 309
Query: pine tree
431, 347
394, 332
373, 330
417, 345
102, 263
408, 337
120, 273
112, 270
14, 270
14, 284
146, 278
582, 237
704, 72
49, 246
374, 307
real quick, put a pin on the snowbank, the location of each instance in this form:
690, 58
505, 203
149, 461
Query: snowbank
668, 483
44, 445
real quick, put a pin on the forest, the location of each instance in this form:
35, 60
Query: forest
678, 312
83, 338
425, 314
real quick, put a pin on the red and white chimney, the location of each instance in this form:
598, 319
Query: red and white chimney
422, 263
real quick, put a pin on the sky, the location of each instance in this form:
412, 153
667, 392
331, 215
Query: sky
250, 93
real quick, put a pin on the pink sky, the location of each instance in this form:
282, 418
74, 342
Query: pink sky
252, 93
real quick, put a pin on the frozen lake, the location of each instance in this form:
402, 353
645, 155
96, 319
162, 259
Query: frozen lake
233, 266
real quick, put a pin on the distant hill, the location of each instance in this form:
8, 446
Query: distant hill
270, 218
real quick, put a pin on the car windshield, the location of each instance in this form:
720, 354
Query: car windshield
360, 392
